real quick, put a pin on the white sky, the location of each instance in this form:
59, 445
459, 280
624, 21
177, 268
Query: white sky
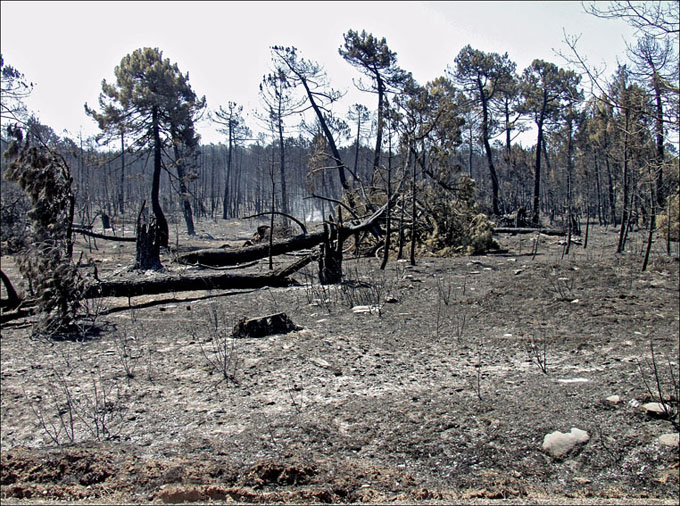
67, 48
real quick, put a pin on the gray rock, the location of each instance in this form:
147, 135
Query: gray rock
558, 444
613, 399
671, 440
655, 409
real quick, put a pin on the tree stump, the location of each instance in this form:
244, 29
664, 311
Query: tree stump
278, 323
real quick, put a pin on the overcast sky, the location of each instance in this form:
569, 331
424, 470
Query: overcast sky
67, 48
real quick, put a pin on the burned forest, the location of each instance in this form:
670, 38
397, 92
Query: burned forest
407, 303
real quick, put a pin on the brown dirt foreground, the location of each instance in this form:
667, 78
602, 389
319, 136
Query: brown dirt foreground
436, 395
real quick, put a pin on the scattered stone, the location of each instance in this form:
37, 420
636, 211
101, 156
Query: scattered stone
558, 444
613, 399
656, 409
373, 309
320, 362
672, 440
391, 299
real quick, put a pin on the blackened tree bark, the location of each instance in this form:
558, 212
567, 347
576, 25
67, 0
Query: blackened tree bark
161, 226
330, 259
148, 255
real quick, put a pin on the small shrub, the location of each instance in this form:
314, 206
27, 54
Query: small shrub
220, 354
68, 415
662, 382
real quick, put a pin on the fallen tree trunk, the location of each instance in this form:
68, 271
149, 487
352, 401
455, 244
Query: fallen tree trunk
82, 231
512, 230
220, 256
166, 284
217, 257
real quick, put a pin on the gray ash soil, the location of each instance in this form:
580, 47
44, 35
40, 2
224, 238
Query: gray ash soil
433, 397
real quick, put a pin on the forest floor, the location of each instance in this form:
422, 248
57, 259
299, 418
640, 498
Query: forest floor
437, 396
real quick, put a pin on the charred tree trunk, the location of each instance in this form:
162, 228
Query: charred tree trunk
161, 228
13, 300
167, 284
535, 212
148, 244
330, 259
489, 158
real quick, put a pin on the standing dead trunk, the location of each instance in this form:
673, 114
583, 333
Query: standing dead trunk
330, 260
148, 244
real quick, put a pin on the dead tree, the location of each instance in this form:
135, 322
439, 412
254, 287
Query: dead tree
148, 244
330, 258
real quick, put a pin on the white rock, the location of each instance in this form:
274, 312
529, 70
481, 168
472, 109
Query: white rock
373, 309
671, 440
613, 399
573, 380
655, 408
558, 444
320, 362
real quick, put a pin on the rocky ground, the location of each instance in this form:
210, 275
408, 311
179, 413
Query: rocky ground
433, 383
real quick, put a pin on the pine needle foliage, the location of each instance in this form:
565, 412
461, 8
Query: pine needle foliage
46, 261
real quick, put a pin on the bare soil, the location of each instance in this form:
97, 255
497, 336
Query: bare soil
430, 393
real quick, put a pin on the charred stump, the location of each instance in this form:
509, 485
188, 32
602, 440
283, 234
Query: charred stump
278, 323
148, 244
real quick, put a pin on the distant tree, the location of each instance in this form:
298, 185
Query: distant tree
185, 143
276, 90
234, 127
358, 113
373, 58
507, 106
312, 78
545, 90
151, 101
484, 76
